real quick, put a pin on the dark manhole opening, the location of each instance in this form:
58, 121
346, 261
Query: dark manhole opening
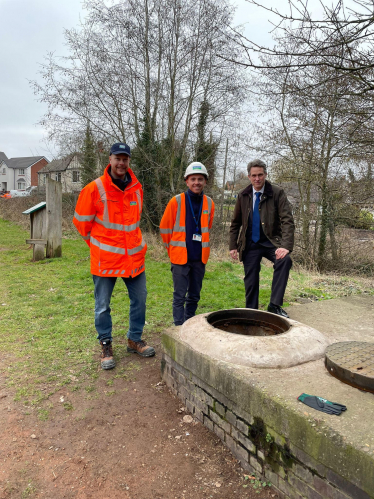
352, 362
248, 322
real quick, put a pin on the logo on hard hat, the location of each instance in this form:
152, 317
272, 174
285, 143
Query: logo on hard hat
196, 167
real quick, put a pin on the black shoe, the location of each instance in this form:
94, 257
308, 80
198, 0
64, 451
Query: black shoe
107, 361
276, 309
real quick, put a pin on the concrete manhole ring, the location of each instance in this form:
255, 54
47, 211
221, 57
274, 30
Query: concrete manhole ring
295, 344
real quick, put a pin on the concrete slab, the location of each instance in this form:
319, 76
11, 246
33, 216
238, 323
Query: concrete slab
345, 442
344, 319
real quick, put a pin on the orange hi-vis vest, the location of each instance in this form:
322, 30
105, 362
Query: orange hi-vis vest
173, 228
108, 220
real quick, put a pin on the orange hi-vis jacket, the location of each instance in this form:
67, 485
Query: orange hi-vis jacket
108, 220
173, 228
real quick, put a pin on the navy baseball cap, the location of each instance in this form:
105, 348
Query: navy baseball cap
120, 148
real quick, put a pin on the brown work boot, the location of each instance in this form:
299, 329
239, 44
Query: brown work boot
141, 348
107, 361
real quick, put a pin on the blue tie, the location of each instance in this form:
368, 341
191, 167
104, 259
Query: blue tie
256, 219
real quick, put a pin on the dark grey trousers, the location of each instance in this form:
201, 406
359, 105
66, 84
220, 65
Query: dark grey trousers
252, 266
188, 281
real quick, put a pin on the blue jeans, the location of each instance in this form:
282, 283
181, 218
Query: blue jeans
137, 289
188, 281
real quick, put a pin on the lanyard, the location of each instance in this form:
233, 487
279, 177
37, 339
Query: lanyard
193, 214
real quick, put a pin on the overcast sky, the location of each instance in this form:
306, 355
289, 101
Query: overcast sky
29, 30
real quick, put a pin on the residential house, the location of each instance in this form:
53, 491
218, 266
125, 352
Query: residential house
66, 170
233, 187
20, 173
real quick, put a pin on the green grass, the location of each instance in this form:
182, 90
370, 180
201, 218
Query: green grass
47, 307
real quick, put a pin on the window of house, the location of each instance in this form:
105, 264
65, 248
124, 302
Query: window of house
58, 177
21, 171
4, 171
21, 185
45, 178
76, 176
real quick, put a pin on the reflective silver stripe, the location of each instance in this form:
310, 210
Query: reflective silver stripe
204, 229
110, 272
177, 227
87, 238
209, 206
106, 247
103, 197
166, 245
205, 245
137, 249
166, 231
83, 218
181, 244
109, 225
129, 228
131, 186
137, 192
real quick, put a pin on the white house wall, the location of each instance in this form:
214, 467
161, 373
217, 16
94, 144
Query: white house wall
68, 176
7, 178
25, 178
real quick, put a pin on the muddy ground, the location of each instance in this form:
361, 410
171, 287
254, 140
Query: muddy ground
118, 439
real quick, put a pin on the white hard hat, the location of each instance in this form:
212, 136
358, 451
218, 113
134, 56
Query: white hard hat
195, 168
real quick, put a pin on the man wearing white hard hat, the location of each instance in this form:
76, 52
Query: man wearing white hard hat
184, 229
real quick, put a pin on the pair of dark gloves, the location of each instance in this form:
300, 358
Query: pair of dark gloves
321, 404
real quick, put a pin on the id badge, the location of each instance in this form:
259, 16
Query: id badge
197, 237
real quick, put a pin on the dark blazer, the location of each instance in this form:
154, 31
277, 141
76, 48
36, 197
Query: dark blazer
275, 214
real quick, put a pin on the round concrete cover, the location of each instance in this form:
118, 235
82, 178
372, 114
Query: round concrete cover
299, 344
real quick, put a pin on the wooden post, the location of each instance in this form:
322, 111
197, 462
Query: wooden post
38, 226
38, 220
54, 218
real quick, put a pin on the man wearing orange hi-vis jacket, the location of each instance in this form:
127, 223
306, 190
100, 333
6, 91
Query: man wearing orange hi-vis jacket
184, 229
107, 216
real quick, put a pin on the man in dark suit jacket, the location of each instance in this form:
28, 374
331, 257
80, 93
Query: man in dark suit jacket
263, 225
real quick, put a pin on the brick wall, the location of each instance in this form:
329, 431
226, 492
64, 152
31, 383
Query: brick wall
34, 170
260, 450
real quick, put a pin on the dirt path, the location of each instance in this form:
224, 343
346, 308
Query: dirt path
123, 438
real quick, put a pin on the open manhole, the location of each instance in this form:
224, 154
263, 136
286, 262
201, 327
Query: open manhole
352, 362
248, 322
252, 338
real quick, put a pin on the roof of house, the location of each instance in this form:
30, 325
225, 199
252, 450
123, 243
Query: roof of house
3, 157
58, 165
22, 162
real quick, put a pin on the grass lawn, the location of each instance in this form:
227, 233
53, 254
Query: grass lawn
46, 311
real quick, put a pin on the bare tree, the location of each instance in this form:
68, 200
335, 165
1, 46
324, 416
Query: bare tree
315, 41
311, 137
138, 71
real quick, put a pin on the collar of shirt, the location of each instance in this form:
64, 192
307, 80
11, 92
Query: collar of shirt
254, 196
193, 195
121, 184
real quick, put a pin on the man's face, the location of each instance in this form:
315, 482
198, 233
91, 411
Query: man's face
257, 177
119, 164
196, 183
